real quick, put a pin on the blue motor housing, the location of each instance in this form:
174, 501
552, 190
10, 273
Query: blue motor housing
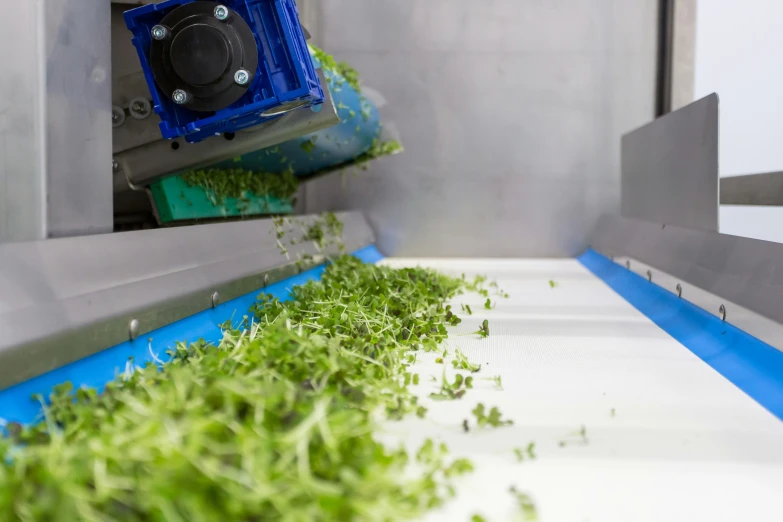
219, 67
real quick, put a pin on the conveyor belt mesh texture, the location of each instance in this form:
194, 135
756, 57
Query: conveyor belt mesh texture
684, 444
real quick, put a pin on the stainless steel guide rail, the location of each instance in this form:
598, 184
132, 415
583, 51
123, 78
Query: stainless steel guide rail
64, 299
669, 218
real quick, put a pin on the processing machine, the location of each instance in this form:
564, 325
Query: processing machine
648, 370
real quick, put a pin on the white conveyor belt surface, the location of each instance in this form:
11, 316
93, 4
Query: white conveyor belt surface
669, 438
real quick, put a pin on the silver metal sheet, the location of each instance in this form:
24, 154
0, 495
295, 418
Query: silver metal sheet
754, 189
670, 168
64, 299
510, 113
741, 270
55, 120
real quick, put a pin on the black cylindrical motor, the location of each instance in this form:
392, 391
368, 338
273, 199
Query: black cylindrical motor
203, 56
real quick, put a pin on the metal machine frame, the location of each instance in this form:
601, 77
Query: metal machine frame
97, 291
61, 168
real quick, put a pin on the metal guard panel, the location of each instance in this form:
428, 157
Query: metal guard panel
742, 270
62, 300
670, 168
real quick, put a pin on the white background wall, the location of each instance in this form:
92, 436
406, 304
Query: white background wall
739, 55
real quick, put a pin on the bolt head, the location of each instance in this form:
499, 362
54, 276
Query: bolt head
133, 329
180, 97
159, 32
241, 77
221, 12
215, 299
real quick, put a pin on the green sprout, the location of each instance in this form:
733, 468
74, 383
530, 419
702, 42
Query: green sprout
493, 419
579, 437
466, 308
477, 518
530, 451
345, 71
552, 284
460, 362
309, 144
526, 505
497, 379
453, 390
483, 332
488, 304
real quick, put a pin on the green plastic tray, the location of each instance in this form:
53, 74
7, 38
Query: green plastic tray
177, 201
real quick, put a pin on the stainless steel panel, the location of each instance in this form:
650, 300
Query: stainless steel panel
670, 168
741, 270
128, 83
64, 299
510, 113
55, 120
754, 189
683, 53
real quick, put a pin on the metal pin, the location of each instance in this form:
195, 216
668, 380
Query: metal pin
266, 279
215, 299
133, 329
679, 289
722, 311
628, 265
649, 275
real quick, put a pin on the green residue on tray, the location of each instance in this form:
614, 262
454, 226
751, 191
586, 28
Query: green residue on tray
220, 193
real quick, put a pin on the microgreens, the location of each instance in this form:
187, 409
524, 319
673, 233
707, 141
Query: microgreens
460, 362
525, 504
494, 418
483, 332
274, 422
530, 451
579, 437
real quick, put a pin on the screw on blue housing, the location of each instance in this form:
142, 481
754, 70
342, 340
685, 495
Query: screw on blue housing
218, 67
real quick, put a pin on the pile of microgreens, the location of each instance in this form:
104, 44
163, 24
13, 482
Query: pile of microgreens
242, 185
276, 422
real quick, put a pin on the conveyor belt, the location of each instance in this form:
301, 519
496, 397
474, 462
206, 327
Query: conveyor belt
683, 444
